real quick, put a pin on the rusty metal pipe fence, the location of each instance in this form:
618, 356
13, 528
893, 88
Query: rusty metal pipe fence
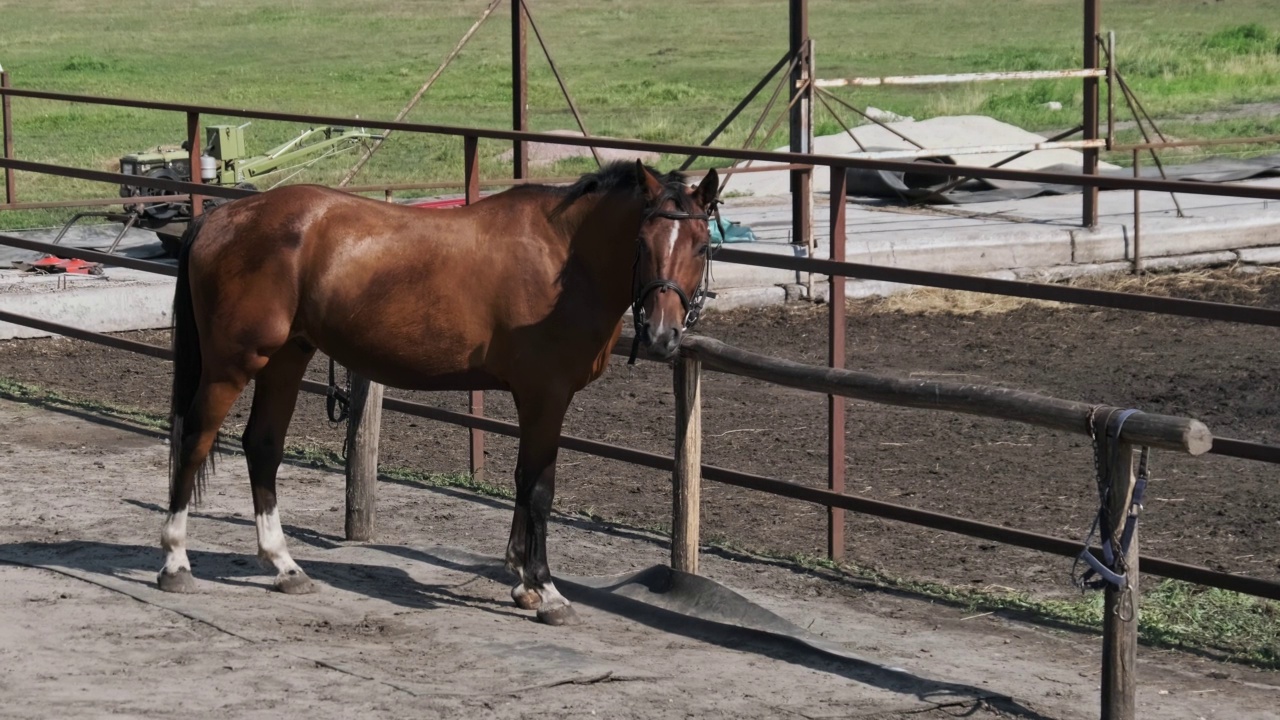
939, 521
1120, 633
800, 159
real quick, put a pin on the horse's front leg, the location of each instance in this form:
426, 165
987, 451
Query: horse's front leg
535, 490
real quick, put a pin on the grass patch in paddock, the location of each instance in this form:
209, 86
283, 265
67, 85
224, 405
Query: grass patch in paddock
1225, 625
1238, 285
661, 70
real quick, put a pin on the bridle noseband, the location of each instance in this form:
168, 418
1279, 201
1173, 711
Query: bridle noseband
692, 306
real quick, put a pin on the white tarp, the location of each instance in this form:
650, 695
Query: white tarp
939, 132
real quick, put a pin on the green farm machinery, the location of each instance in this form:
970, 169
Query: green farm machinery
225, 162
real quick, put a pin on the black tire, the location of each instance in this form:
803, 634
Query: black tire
161, 212
211, 203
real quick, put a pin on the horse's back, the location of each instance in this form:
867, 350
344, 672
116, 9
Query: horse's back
403, 294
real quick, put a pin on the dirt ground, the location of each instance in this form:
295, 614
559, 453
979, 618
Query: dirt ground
407, 628
1213, 511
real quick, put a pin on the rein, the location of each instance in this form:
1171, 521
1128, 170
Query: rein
692, 306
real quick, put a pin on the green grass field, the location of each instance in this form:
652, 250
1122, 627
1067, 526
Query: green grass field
658, 69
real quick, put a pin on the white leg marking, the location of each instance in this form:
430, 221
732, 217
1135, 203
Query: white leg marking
173, 539
271, 543
551, 598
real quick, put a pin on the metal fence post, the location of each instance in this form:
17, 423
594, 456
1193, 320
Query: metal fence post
519, 88
836, 359
801, 127
364, 427
1092, 12
1111, 89
193, 146
687, 474
1137, 216
471, 175
6, 119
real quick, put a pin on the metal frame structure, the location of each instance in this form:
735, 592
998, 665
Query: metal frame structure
1121, 639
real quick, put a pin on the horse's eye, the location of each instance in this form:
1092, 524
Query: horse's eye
703, 248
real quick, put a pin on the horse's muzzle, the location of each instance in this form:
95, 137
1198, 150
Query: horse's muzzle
663, 344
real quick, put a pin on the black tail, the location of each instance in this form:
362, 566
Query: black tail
186, 364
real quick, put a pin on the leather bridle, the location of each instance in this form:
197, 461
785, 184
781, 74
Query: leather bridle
692, 306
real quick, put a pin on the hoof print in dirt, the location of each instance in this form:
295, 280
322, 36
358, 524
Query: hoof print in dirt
556, 616
179, 582
295, 583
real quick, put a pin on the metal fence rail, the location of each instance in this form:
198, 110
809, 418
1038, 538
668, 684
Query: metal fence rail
803, 159
1065, 547
1120, 635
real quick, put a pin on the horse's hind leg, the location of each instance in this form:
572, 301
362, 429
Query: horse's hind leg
199, 430
274, 397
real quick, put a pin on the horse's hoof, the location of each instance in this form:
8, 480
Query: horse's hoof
177, 582
559, 615
525, 598
295, 582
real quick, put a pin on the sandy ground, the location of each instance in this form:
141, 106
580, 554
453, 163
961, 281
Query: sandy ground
420, 623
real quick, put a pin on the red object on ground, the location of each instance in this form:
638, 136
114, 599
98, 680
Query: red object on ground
52, 265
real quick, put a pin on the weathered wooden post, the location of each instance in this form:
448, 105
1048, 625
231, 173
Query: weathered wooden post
1120, 620
364, 425
687, 475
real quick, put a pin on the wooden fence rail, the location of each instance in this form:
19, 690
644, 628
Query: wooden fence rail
1120, 631
1120, 623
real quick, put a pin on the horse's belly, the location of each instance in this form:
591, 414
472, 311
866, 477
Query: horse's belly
406, 352
412, 373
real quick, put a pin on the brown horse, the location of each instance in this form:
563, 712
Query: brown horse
522, 291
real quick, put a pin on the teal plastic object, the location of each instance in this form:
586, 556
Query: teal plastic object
733, 232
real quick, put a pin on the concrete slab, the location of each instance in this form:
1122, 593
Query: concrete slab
1034, 238
120, 300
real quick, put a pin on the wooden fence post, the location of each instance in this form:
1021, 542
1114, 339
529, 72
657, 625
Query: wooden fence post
687, 475
1120, 621
363, 428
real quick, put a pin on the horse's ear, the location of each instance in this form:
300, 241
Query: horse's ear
652, 188
707, 189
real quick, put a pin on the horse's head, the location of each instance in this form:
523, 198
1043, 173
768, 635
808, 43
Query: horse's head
673, 258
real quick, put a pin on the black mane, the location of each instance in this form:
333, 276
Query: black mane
621, 175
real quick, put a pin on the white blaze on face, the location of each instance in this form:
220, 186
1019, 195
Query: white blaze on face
173, 538
671, 241
271, 543
658, 325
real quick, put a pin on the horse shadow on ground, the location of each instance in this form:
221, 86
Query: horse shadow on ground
573, 520
659, 598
